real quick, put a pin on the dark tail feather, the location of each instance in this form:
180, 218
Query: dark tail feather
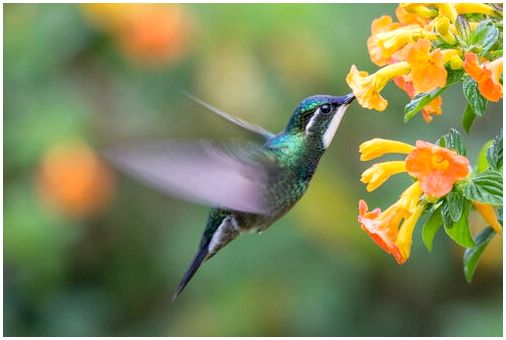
192, 269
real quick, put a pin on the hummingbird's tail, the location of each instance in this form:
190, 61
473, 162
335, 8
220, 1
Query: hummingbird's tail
192, 269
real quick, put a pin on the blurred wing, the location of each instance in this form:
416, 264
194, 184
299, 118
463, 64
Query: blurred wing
200, 172
261, 132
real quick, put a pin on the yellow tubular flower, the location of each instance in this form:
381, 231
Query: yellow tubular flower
393, 41
418, 9
367, 87
456, 62
380, 172
378, 147
448, 10
443, 28
489, 214
410, 197
405, 235
465, 8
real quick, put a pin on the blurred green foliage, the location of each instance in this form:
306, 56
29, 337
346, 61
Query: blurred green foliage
314, 273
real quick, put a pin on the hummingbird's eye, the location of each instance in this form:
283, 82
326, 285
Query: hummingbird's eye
326, 108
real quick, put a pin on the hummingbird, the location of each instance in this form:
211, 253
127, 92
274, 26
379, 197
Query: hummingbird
250, 184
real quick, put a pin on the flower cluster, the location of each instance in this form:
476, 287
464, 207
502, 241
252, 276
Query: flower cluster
431, 47
436, 170
444, 186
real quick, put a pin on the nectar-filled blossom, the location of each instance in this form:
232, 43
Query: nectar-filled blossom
487, 75
436, 168
393, 229
367, 87
427, 68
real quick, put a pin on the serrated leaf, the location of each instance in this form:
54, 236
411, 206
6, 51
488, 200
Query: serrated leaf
459, 231
455, 202
476, 101
453, 76
485, 36
453, 140
419, 102
468, 118
485, 188
494, 153
445, 214
473, 255
431, 227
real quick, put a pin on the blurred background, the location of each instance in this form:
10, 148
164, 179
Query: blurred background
91, 252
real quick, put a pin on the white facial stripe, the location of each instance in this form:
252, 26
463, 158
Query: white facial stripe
312, 121
334, 123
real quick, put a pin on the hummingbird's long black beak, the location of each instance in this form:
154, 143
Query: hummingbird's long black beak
348, 98
343, 100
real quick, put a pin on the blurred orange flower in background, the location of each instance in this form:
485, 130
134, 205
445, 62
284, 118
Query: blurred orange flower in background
74, 180
150, 34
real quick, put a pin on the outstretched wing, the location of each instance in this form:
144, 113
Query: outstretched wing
202, 172
259, 131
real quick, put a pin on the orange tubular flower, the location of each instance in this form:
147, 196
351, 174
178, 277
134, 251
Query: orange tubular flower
383, 227
436, 168
427, 68
433, 108
377, 53
486, 75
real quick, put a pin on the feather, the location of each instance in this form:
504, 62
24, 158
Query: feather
259, 131
198, 171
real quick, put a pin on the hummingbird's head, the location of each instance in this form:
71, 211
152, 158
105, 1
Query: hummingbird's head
318, 117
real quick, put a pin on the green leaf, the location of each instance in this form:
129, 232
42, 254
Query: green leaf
494, 153
482, 162
453, 76
485, 36
430, 228
459, 231
419, 102
468, 118
486, 187
476, 101
455, 202
453, 140
473, 255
